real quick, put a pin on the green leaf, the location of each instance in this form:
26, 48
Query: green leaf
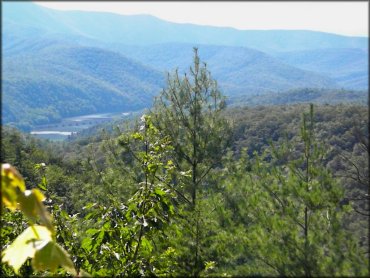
43, 184
51, 256
32, 206
87, 244
159, 192
25, 246
92, 231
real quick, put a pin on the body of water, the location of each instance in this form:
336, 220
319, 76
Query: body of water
72, 125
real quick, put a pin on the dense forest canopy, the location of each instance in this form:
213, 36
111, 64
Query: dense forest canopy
193, 188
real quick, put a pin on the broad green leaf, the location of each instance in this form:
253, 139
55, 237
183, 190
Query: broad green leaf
92, 231
86, 244
31, 205
51, 256
25, 246
12, 184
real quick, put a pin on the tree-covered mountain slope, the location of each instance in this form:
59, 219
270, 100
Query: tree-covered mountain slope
65, 81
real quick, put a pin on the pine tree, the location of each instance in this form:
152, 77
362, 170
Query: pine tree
189, 112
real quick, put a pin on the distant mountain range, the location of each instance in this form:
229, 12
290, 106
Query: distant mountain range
146, 29
239, 70
58, 64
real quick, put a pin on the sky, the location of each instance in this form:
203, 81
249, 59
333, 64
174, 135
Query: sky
345, 18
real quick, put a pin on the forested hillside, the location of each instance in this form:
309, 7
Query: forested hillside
193, 188
346, 65
62, 81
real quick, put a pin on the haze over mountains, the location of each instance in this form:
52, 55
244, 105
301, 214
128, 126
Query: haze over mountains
58, 63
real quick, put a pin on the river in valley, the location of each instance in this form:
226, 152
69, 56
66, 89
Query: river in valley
72, 125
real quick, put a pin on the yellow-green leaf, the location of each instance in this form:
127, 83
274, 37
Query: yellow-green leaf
25, 246
51, 256
9, 197
8, 170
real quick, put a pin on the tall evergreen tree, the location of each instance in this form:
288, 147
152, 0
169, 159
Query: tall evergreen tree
189, 112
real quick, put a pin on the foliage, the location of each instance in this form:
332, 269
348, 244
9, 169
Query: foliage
292, 212
123, 234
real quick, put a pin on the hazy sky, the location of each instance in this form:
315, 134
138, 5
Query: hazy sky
346, 18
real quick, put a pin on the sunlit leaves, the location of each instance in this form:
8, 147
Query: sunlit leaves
50, 257
25, 245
